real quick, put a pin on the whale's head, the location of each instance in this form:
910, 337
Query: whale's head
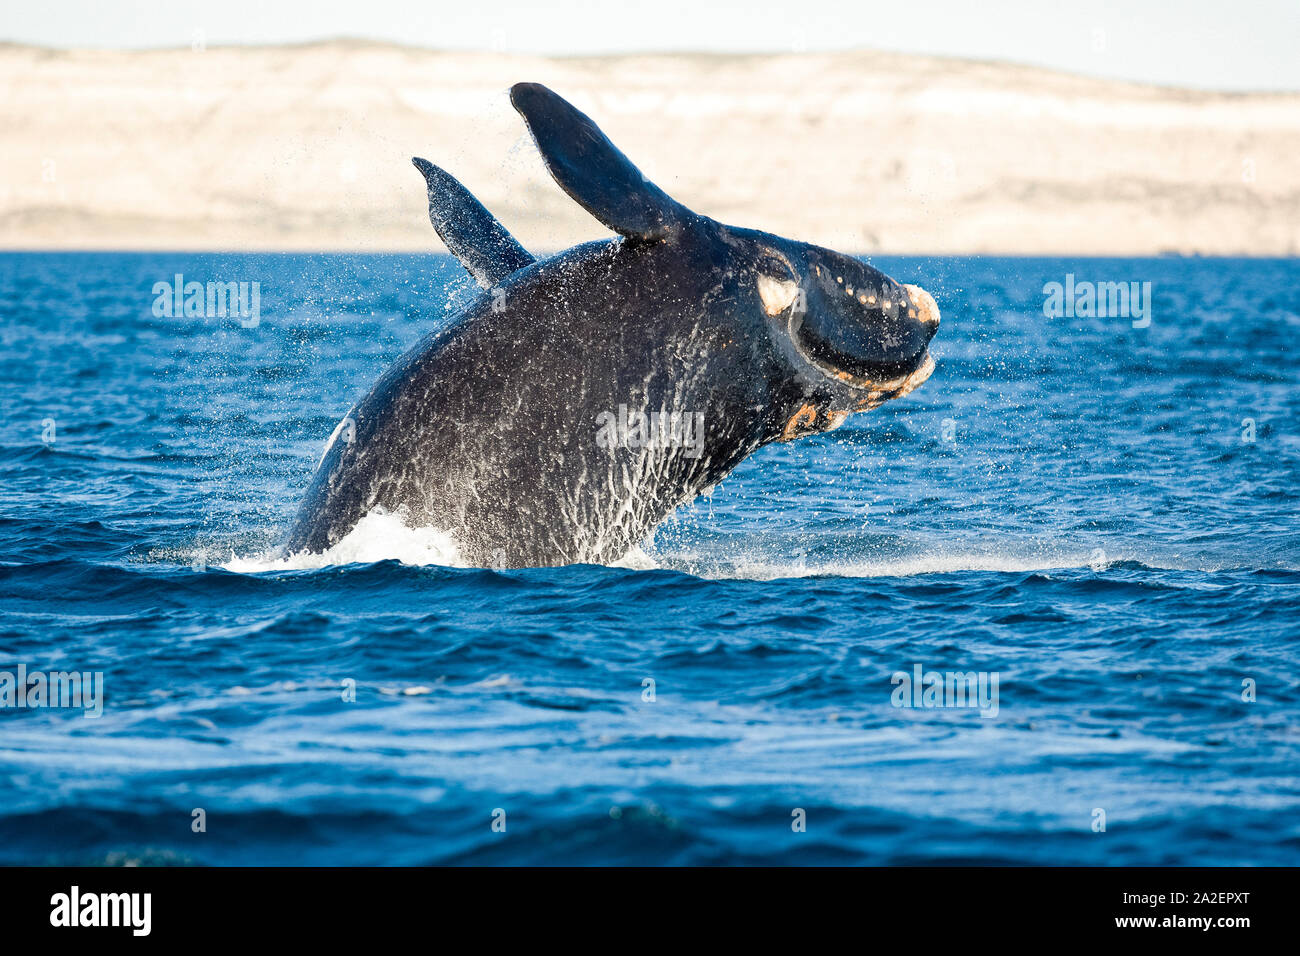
851, 336
846, 336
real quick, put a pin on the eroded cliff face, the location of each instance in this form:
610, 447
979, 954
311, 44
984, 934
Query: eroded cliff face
308, 147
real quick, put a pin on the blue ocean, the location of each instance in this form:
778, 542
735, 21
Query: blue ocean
1092, 516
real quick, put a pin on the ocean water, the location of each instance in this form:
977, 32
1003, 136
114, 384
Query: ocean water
1099, 517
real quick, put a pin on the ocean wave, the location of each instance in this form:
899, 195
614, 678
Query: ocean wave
389, 536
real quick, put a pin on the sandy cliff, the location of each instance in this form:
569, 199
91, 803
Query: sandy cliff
308, 147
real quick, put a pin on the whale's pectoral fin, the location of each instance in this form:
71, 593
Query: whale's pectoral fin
592, 170
482, 244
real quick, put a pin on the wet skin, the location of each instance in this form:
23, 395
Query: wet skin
492, 428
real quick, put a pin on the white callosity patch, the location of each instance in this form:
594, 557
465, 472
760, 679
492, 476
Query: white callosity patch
776, 294
923, 304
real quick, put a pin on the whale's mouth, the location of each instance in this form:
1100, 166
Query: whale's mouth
868, 391
879, 355
919, 377
879, 391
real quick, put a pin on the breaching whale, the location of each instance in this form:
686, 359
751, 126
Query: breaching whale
578, 400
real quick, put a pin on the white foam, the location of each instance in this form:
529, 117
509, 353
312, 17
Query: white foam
386, 536
1006, 558
898, 567
636, 560
379, 536
748, 561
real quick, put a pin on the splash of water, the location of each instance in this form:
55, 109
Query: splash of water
380, 536
390, 536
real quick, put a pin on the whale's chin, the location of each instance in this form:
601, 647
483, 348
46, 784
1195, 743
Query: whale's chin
919, 377
869, 394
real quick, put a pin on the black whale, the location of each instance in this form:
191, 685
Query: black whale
580, 399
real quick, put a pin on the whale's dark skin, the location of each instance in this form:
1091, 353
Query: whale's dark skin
491, 429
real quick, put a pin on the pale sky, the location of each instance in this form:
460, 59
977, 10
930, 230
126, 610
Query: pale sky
1209, 44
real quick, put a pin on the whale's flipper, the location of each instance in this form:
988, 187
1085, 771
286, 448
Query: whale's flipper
482, 244
592, 170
